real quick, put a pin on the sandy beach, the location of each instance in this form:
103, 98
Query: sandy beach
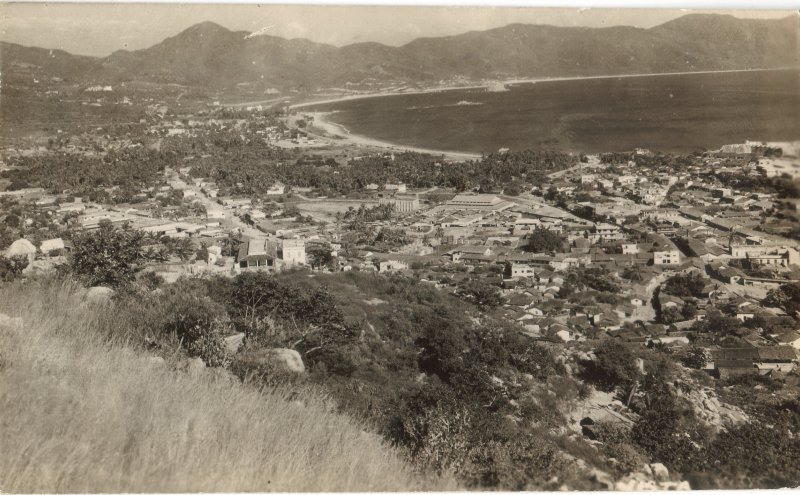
344, 135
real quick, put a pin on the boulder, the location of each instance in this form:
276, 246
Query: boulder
195, 366
660, 471
223, 375
279, 359
10, 322
99, 294
156, 361
234, 342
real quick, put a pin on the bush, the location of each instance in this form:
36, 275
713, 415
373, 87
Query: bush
614, 366
108, 256
786, 296
480, 293
543, 240
11, 268
199, 324
684, 285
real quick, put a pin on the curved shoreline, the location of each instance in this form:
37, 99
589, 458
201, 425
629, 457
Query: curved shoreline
338, 99
340, 131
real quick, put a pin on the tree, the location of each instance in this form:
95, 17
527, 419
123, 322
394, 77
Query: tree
786, 296
688, 285
107, 256
543, 240
230, 244
695, 358
183, 248
671, 315
480, 293
594, 278
319, 256
614, 366
202, 253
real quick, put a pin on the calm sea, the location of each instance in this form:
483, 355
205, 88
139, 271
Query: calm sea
671, 113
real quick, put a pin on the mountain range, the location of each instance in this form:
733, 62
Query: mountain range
211, 56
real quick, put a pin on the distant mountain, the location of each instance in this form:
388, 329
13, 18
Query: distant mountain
212, 56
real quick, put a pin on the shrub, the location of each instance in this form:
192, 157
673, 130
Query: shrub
480, 293
199, 324
786, 296
614, 366
108, 256
11, 268
543, 240
684, 285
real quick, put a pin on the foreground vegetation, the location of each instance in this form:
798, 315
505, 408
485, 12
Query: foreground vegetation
86, 411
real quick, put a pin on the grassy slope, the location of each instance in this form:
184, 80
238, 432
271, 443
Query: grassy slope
81, 414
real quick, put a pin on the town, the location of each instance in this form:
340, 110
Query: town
597, 261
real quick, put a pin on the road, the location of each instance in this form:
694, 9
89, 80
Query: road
231, 220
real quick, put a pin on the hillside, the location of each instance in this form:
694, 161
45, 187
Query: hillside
89, 415
210, 55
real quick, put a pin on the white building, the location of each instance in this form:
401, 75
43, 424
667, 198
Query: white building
521, 270
672, 257
276, 189
630, 249
402, 204
293, 252
389, 266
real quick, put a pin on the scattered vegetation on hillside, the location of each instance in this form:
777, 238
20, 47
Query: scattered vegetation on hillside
88, 412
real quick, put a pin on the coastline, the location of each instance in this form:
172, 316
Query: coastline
344, 135
442, 89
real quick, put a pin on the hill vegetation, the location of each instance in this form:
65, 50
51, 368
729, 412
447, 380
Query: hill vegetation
208, 54
89, 410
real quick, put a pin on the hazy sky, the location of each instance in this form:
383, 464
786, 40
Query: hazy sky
99, 29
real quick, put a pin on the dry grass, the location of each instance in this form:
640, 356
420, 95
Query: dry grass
81, 414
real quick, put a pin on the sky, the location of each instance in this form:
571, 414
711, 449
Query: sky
100, 29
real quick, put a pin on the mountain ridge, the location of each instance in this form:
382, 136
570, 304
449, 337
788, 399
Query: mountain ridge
210, 55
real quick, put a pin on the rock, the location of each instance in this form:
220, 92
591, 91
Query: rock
660, 471
156, 361
99, 294
279, 359
10, 322
234, 342
710, 406
195, 366
221, 374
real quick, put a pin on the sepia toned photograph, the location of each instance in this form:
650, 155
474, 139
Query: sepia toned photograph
352, 248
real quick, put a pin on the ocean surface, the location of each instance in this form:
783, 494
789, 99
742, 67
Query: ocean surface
670, 113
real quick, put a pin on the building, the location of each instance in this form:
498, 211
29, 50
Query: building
402, 204
390, 266
53, 247
789, 338
521, 270
630, 249
400, 187
777, 358
293, 252
258, 254
766, 254
485, 202
276, 189
457, 254
671, 257
603, 232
